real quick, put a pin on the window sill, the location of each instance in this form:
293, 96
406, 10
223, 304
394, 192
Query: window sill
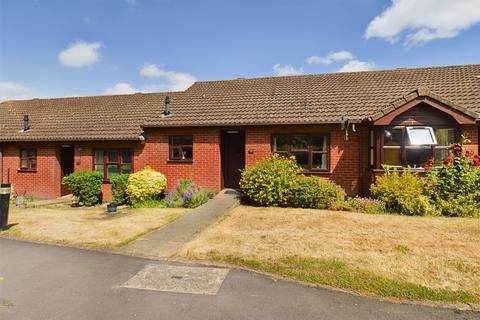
180, 161
27, 170
318, 173
403, 168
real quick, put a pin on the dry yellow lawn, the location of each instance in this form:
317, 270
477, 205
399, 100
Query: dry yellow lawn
86, 227
440, 253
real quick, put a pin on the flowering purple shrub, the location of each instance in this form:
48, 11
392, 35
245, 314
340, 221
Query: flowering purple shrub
188, 195
170, 199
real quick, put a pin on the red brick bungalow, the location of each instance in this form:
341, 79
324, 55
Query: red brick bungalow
341, 126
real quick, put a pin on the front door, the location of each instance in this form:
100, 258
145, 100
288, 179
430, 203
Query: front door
233, 157
67, 165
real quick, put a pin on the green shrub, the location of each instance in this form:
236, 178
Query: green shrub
452, 190
461, 206
403, 193
345, 205
363, 205
86, 186
151, 203
455, 188
119, 184
146, 184
269, 182
188, 195
314, 192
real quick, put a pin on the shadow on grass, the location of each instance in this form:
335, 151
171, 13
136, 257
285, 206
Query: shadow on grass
8, 226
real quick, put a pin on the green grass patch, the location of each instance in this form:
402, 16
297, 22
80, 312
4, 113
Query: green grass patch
402, 249
336, 273
135, 237
150, 204
12, 231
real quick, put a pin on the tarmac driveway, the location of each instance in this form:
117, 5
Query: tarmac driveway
50, 282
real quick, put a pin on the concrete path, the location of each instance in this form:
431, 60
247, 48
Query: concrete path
164, 242
50, 282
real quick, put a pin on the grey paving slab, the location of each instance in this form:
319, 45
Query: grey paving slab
164, 242
182, 279
50, 282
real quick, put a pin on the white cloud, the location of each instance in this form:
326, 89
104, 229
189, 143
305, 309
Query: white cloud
12, 90
175, 81
340, 55
422, 21
287, 70
150, 71
356, 65
331, 57
318, 60
120, 88
80, 54
350, 63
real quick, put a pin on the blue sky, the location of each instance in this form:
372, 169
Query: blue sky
84, 47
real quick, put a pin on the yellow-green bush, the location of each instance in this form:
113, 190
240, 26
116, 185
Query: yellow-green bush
314, 192
403, 193
146, 184
270, 181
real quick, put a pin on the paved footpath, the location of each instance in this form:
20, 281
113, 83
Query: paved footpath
50, 282
165, 241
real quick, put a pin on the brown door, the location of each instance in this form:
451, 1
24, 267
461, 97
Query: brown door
67, 156
233, 157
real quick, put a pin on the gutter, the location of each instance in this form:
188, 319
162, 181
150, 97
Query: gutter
239, 124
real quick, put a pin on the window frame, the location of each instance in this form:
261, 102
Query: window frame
372, 142
431, 131
106, 163
379, 133
310, 152
29, 160
171, 147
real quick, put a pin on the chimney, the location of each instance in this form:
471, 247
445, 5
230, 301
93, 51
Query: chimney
26, 124
166, 107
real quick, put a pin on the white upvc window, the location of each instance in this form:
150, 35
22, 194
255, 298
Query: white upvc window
421, 136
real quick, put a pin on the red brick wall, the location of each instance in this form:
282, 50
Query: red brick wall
348, 159
345, 156
84, 158
44, 183
205, 169
471, 133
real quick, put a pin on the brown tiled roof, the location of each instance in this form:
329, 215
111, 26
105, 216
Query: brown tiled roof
321, 98
75, 119
421, 92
